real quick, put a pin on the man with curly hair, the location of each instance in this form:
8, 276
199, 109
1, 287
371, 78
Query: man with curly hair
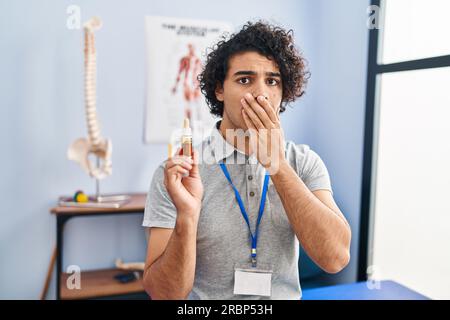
228, 224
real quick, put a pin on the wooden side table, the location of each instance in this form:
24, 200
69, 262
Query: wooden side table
95, 283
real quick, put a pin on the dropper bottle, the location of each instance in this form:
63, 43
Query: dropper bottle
186, 139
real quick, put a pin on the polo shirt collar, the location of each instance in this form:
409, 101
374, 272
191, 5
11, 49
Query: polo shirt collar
221, 148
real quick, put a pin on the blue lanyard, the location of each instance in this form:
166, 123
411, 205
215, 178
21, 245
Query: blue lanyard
244, 213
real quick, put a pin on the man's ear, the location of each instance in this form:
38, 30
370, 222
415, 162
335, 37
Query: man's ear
219, 92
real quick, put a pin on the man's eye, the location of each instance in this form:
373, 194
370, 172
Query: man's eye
272, 82
244, 80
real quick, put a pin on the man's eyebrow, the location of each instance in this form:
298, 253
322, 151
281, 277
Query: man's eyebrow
273, 74
253, 73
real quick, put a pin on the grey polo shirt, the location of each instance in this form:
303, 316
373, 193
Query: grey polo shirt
223, 238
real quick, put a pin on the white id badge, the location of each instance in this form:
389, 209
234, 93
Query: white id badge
253, 281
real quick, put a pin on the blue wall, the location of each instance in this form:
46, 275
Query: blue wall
41, 113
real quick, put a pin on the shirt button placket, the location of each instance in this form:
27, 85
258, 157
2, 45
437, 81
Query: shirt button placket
251, 191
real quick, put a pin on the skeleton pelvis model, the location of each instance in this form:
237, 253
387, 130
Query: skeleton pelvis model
80, 150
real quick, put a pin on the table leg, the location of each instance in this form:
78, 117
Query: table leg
60, 221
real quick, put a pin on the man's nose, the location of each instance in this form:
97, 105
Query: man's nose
258, 90
256, 95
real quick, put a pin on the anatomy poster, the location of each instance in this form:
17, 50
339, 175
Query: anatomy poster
176, 52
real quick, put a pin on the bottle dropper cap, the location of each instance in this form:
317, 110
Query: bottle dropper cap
186, 129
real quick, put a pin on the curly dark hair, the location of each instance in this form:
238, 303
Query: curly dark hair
271, 41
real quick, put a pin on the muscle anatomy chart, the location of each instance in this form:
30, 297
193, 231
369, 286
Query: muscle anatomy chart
176, 51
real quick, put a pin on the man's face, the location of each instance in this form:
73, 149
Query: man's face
249, 72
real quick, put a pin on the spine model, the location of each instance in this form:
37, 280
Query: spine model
102, 148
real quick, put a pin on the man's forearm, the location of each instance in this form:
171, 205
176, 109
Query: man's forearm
324, 234
171, 276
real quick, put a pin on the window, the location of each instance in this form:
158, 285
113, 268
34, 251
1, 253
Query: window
414, 29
